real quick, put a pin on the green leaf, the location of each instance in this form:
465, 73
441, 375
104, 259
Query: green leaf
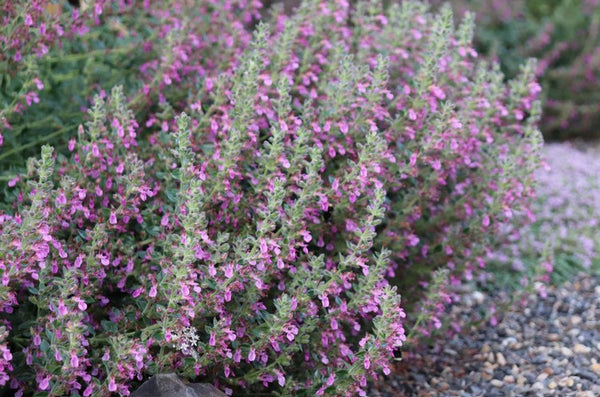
44, 346
109, 326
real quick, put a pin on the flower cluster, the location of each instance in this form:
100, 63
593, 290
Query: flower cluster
252, 218
563, 35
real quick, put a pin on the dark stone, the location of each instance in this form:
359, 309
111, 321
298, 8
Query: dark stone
169, 385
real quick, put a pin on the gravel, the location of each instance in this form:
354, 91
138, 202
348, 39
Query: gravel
541, 347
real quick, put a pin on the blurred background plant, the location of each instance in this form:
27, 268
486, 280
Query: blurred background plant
564, 237
54, 58
565, 36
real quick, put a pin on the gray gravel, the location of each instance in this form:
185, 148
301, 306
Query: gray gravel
541, 347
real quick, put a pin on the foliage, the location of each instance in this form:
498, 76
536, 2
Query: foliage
565, 36
239, 226
54, 58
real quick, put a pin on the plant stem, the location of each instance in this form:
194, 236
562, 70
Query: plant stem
36, 142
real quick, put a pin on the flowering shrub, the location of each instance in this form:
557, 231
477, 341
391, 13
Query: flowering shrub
247, 240
563, 35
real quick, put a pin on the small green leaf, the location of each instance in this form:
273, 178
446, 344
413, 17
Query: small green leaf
44, 346
109, 326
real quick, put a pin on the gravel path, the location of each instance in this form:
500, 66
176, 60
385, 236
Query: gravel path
546, 347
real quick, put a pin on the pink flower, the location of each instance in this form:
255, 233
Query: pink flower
112, 386
74, 360
62, 309
38, 83
88, 391
81, 305
330, 379
13, 182
324, 300
252, 354
437, 92
343, 127
486, 220
164, 220
44, 383
306, 235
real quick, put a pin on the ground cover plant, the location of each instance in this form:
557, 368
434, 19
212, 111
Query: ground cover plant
257, 222
564, 35
564, 235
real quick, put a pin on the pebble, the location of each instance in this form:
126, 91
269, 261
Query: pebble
547, 347
565, 351
552, 337
500, 359
581, 349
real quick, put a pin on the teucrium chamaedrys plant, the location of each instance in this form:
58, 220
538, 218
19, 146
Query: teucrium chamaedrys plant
248, 242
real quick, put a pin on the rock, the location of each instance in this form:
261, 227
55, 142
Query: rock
553, 337
575, 320
566, 351
451, 352
548, 371
566, 382
510, 341
500, 359
169, 385
538, 386
587, 375
581, 349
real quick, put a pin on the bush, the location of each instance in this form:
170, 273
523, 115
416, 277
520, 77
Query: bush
247, 240
564, 36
